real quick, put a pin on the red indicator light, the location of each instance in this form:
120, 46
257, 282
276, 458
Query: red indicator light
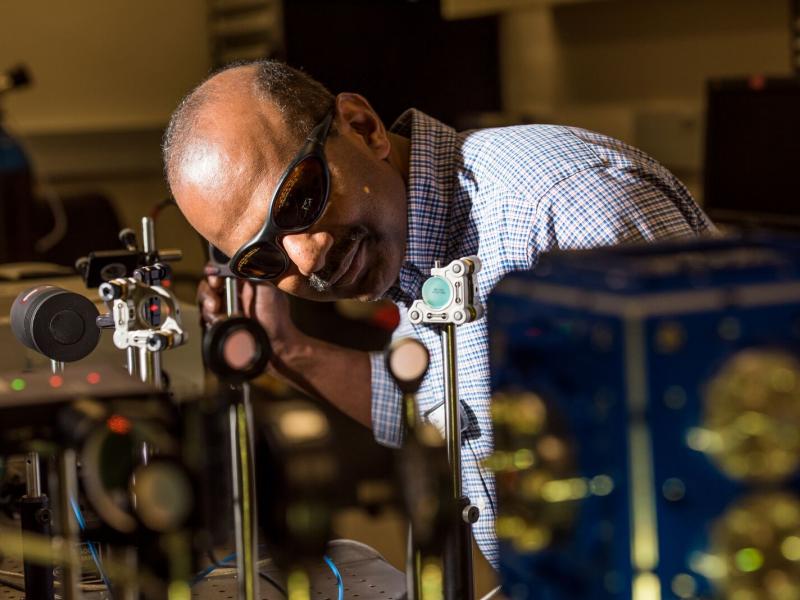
154, 308
93, 378
166, 283
56, 381
119, 425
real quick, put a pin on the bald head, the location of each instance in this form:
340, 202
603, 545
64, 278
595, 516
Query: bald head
231, 132
297, 98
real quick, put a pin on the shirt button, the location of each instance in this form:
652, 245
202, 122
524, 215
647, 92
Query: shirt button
481, 504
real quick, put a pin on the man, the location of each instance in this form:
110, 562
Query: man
313, 196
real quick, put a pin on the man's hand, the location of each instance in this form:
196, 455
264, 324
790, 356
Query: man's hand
263, 302
209, 299
339, 375
270, 307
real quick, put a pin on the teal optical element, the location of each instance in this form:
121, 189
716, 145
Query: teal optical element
436, 292
449, 295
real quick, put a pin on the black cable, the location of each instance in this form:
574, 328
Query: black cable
156, 210
274, 582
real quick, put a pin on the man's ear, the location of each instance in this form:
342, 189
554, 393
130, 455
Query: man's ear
354, 115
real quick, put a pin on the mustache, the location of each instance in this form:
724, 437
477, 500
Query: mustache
321, 280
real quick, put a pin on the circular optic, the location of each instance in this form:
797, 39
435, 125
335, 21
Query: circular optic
408, 360
163, 495
436, 292
239, 350
752, 412
236, 349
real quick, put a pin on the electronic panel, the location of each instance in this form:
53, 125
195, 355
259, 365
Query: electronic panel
647, 422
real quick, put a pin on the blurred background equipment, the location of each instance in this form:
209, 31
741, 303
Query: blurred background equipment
16, 187
751, 151
646, 421
399, 54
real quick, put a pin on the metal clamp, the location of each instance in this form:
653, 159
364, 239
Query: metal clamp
449, 295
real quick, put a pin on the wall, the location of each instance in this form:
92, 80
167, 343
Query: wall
637, 69
107, 74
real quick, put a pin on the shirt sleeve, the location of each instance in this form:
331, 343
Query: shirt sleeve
387, 421
608, 205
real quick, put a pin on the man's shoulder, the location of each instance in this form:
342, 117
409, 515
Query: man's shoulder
530, 158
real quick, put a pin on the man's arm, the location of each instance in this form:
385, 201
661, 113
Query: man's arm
355, 382
339, 375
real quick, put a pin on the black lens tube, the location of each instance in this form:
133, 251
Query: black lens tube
57, 323
243, 363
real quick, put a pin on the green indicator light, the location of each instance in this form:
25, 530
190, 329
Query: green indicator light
17, 384
436, 292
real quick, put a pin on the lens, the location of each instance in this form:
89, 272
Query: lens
240, 350
302, 195
261, 261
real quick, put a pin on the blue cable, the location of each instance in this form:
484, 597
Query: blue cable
339, 581
210, 569
92, 550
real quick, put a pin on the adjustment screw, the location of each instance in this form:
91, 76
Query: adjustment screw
157, 342
44, 515
471, 513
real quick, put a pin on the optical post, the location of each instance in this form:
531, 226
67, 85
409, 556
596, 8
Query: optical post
243, 477
449, 300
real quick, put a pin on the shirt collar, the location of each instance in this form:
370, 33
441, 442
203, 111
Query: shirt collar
430, 190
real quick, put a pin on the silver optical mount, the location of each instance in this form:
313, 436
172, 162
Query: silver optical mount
145, 316
449, 299
448, 296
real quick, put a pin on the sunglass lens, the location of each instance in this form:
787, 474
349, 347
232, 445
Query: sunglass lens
302, 196
262, 261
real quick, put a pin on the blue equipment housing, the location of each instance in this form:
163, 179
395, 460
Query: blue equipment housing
639, 447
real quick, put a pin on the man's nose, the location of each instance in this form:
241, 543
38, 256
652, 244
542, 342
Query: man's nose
308, 250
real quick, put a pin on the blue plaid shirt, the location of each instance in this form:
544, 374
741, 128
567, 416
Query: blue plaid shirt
508, 195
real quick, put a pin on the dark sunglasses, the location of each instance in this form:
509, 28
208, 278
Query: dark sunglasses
299, 200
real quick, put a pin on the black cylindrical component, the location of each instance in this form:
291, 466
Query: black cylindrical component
236, 349
55, 322
458, 571
110, 291
35, 516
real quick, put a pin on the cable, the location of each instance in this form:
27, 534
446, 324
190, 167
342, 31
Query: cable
274, 582
156, 210
92, 550
339, 581
493, 593
219, 563
210, 569
225, 563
